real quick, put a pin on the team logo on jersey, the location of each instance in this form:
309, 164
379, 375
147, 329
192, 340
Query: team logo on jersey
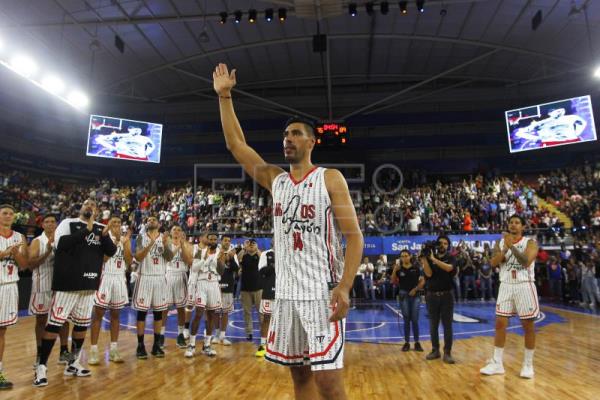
90, 275
320, 338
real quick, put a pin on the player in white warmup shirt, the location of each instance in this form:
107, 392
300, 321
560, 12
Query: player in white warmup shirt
517, 296
177, 282
312, 209
112, 293
13, 257
41, 263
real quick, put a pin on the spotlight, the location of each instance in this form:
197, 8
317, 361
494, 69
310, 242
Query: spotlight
238, 16
269, 14
223, 16
78, 99
252, 16
23, 65
420, 5
403, 7
385, 7
597, 72
369, 7
53, 84
352, 9
282, 13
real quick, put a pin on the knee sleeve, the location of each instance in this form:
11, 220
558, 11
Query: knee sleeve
78, 328
141, 315
53, 328
157, 315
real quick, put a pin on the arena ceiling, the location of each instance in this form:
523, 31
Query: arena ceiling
478, 50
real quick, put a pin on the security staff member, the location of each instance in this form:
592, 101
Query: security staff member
439, 270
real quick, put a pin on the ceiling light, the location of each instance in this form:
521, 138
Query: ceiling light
23, 65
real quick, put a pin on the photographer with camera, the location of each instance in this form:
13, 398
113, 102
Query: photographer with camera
438, 266
407, 275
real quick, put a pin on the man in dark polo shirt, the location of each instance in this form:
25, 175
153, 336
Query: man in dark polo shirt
251, 287
439, 270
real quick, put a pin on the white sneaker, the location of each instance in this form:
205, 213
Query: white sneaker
40, 378
191, 350
207, 350
527, 371
215, 340
76, 369
93, 357
186, 334
492, 368
225, 342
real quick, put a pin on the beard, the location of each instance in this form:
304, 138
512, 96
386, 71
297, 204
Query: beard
87, 214
212, 246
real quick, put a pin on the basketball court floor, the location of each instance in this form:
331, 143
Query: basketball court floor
566, 361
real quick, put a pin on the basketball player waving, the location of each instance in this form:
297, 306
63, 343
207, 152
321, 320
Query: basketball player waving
312, 207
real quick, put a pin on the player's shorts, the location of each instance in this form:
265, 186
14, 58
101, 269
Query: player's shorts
177, 289
208, 295
191, 290
518, 299
266, 306
150, 293
39, 302
300, 334
226, 303
112, 293
9, 304
73, 306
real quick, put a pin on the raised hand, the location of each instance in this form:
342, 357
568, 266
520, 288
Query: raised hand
223, 80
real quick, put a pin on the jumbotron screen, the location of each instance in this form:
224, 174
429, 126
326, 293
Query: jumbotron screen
112, 137
551, 124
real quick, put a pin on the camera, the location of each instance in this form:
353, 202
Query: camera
428, 248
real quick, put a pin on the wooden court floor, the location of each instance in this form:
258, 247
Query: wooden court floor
567, 366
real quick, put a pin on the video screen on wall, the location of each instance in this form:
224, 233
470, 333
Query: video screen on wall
552, 124
112, 137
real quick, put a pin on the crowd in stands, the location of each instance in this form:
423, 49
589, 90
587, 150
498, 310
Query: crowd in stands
392, 204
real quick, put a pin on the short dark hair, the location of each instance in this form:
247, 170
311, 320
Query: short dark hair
520, 218
49, 216
212, 234
7, 206
301, 120
444, 237
405, 251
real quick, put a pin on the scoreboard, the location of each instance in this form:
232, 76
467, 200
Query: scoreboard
332, 133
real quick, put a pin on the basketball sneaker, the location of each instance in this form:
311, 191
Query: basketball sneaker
261, 351
207, 350
93, 357
4, 384
115, 356
76, 369
140, 353
40, 378
181, 341
527, 371
64, 357
225, 342
191, 350
157, 351
492, 368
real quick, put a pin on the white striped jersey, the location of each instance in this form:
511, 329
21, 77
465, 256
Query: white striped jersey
116, 264
176, 264
512, 271
9, 271
154, 263
308, 256
206, 265
41, 278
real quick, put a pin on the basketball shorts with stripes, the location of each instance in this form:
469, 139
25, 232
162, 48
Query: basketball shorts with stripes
39, 302
112, 293
300, 333
150, 293
518, 299
208, 295
226, 303
177, 289
9, 304
72, 306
